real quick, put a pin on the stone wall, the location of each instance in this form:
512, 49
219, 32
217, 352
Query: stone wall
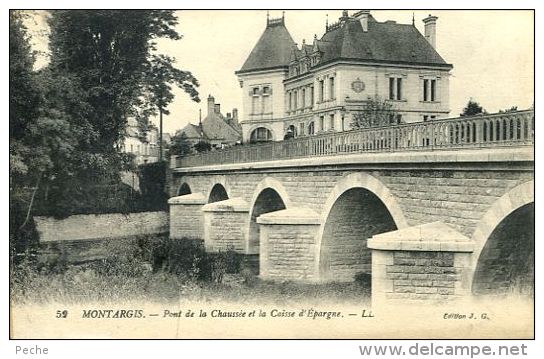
225, 225
422, 275
288, 248
456, 196
101, 226
186, 219
288, 252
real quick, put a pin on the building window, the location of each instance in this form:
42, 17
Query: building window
331, 88
311, 128
255, 104
255, 91
267, 108
429, 118
266, 90
291, 132
303, 98
301, 128
331, 125
395, 119
290, 101
295, 100
312, 95
261, 134
343, 123
321, 90
395, 88
429, 90
321, 123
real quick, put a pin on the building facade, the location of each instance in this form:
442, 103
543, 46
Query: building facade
291, 90
145, 148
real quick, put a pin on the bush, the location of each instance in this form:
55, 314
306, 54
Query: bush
185, 256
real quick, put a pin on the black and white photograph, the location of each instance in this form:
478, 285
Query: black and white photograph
272, 174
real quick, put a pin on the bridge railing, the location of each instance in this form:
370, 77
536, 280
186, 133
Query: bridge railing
494, 130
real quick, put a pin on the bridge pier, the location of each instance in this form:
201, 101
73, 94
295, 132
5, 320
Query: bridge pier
425, 263
288, 249
225, 225
186, 220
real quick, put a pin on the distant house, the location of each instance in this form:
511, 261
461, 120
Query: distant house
218, 130
145, 147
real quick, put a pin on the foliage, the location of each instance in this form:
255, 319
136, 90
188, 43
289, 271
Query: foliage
67, 121
181, 146
511, 109
375, 113
203, 146
160, 74
153, 184
472, 108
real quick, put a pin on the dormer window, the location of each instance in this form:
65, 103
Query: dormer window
266, 90
255, 91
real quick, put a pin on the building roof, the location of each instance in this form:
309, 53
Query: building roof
386, 42
273, 49
191, 131
383, 42
215, 127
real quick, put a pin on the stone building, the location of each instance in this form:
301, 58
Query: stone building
320, 85
144, 147
218, 130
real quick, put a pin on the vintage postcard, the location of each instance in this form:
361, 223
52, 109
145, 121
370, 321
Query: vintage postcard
297, 174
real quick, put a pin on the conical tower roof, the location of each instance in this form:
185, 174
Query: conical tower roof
273, 50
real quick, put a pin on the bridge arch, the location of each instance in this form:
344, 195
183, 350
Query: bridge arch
358, 207
217, 193
269, 196
497, 260
184, 189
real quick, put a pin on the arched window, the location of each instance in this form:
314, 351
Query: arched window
291, 132
260, 134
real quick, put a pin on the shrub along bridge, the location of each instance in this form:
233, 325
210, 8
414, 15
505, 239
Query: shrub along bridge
430, 211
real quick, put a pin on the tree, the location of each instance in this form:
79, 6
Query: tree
161, 75
181, 146
472, 108
202, 146
111, 54
376, 112
511, 109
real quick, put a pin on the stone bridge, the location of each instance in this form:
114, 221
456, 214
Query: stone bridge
426, 211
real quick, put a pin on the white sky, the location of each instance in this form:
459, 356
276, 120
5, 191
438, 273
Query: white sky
491, 51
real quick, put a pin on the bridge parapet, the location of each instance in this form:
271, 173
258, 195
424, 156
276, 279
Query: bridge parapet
484, 131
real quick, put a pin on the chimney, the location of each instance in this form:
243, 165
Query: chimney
211, 104
430, 29
217, 108
235, 115
363, 16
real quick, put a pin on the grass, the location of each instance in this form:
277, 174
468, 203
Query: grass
162, 271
